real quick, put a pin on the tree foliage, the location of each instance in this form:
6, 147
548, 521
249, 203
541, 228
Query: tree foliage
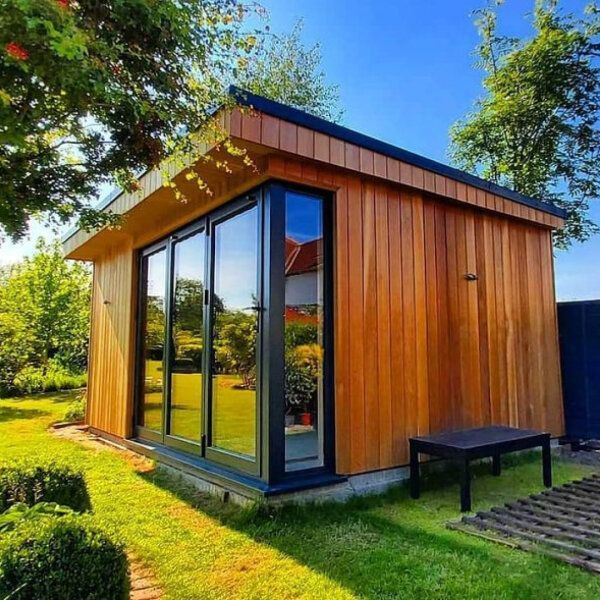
287, 71
235, 344
93, 92
44, 313
536, 129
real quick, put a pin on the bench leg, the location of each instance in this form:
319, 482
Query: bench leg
465, 486
415, 475
496, 466
547, 464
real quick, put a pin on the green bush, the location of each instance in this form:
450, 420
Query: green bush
20, 513
66, 558
31, 483
298, 334
55, 377
300, 386
76, 410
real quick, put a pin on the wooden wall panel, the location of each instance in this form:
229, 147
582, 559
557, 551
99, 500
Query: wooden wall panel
110, 389
418, 347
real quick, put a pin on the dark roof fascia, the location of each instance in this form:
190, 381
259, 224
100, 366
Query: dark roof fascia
304, 119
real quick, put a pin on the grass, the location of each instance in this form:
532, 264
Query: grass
381, 547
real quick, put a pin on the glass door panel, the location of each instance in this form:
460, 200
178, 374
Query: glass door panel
304, 331
235, 322
153, 340
187, 338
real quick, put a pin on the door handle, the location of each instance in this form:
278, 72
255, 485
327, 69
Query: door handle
254, 307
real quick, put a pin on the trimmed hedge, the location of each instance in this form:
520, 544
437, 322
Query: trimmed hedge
65, 558
30, 380
31, 483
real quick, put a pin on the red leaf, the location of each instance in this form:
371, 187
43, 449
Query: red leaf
16, 51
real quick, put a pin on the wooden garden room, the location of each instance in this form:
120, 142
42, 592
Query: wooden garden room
328, 299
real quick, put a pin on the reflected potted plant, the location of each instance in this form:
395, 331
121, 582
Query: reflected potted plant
306, 418
290, 419
300, 388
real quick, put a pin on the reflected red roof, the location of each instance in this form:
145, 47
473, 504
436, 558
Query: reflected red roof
302, 257
293, 315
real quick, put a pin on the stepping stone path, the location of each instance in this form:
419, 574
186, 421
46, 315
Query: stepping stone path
143, 584
563, 523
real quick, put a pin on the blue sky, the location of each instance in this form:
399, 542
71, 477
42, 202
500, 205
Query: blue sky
405, 72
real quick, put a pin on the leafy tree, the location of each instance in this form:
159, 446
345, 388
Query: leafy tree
298, 334
92, 92
44, 312
536, 129
286, 71
155, 327
188, 320
189, 304
235, 344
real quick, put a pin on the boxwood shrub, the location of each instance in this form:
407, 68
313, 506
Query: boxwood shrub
31, 483
66, 558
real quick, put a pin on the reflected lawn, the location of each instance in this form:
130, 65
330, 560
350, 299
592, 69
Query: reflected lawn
186, 405
235, 414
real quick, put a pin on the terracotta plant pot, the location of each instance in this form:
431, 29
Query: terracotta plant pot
306, 418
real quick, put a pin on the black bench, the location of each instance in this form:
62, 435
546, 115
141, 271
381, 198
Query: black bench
466, 445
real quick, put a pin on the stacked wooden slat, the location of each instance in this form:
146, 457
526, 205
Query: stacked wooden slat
563, 523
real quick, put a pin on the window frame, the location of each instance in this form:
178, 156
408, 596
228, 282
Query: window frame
269, 463
174, 441
276, 195
213, 453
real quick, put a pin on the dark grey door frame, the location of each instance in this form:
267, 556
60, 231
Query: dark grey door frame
269, 463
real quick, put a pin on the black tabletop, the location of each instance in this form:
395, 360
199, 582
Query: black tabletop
480, 436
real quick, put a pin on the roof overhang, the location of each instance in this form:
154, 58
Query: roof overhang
266, 129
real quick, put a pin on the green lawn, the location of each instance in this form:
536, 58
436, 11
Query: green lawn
384, 547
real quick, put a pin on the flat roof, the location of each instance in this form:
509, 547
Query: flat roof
304, 119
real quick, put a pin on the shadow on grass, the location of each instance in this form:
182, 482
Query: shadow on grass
13, 413
54, 397
382, 546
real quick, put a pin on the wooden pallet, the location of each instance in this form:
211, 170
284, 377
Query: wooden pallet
563, 522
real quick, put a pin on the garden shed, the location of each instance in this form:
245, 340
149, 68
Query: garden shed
329, 297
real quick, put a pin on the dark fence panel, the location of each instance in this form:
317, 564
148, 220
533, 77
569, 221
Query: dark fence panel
579, 331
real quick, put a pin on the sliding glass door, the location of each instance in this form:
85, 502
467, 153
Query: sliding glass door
171, 340
234, 329
153, 309
234, 338
186, 339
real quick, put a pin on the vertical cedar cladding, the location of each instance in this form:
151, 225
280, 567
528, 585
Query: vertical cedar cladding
111, 370
418, 346
429, 349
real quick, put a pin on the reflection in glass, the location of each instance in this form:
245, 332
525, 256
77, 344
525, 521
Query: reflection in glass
235, 326
153, 340
187, 338
303, 332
